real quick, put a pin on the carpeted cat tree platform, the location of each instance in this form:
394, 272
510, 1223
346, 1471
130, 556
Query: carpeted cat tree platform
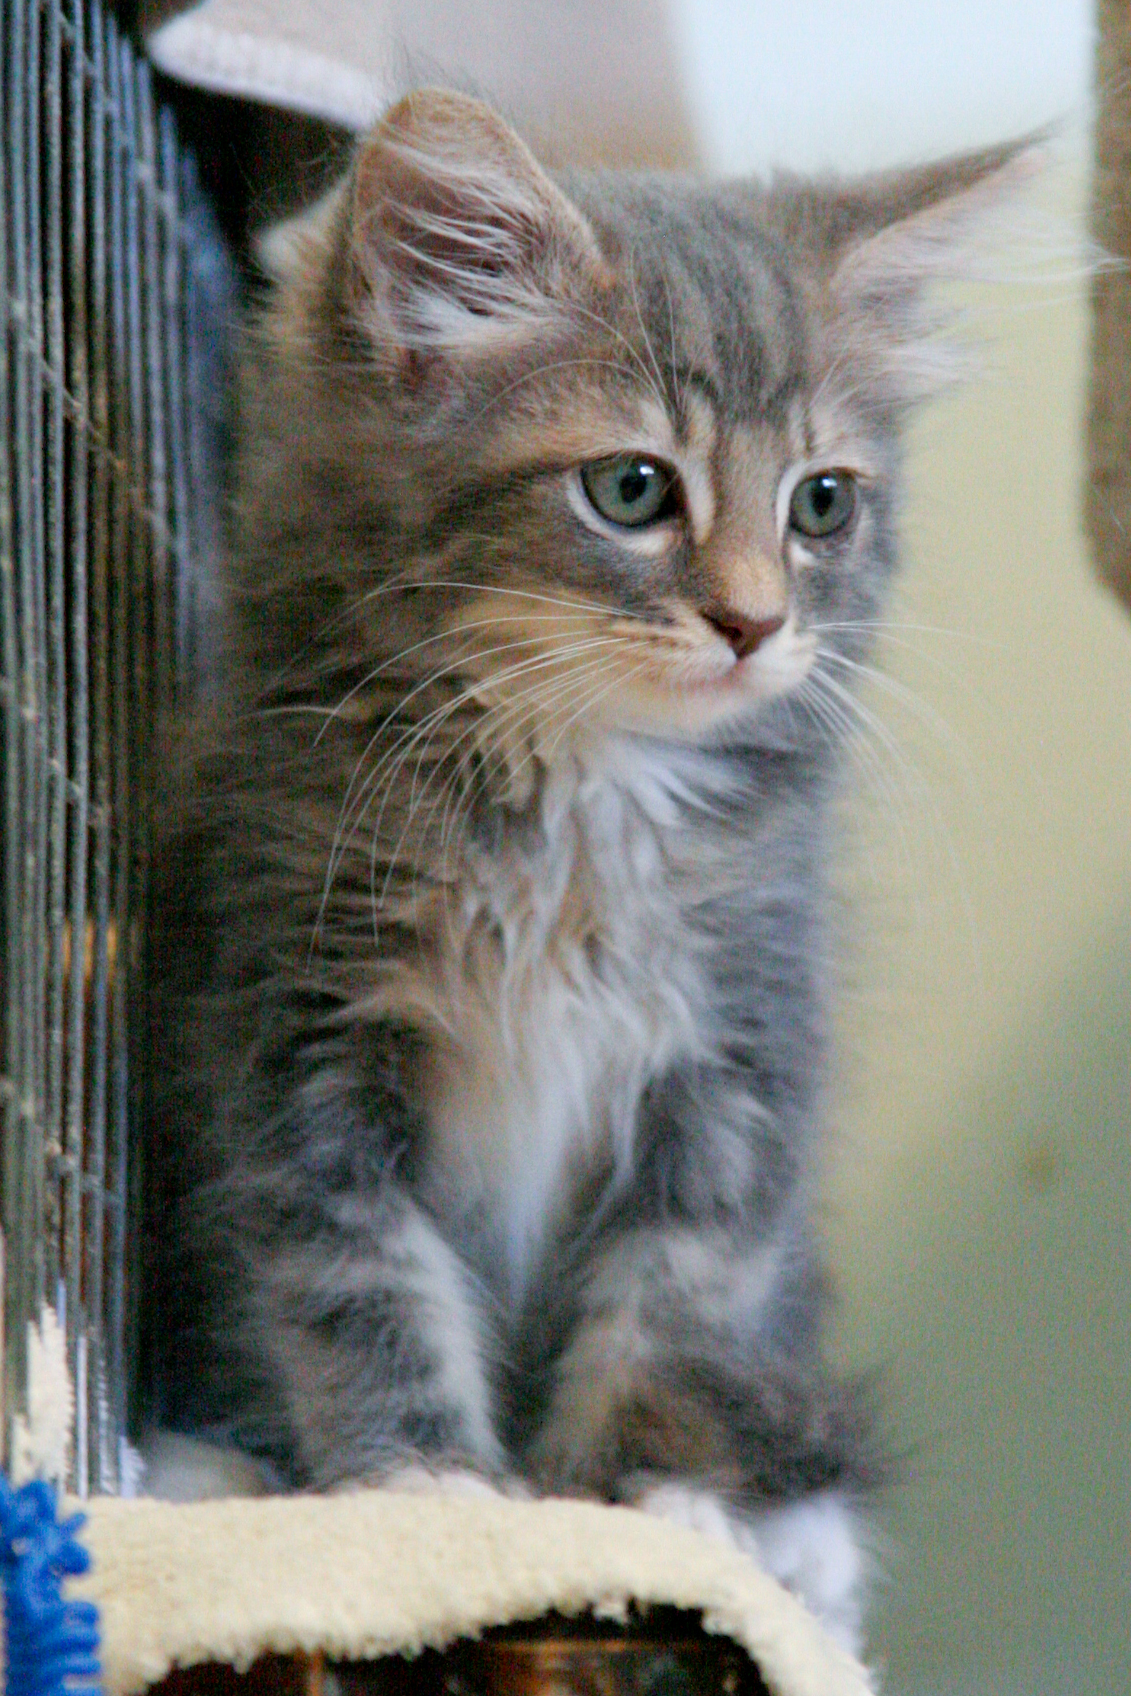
381, 1573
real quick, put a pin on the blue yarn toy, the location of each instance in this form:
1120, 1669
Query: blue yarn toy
51, 1646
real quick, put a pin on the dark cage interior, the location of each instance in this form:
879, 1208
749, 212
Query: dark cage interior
115, 294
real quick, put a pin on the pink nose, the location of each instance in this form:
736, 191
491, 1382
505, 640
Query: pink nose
744, 634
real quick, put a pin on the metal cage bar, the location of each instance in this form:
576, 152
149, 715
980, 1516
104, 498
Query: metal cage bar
115, 297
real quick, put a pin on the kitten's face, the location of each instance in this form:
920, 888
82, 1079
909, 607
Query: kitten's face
636, 438
671, 549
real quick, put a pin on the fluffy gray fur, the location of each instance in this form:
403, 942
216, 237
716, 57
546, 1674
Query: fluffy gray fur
496, 916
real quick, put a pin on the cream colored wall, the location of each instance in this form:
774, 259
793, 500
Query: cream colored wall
979, 1212
815, 84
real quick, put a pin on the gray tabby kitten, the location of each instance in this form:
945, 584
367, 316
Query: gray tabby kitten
564, 514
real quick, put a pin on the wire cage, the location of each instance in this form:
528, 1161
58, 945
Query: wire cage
115, 294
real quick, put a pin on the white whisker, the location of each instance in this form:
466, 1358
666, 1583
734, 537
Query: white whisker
451, 635
542, 698
538, 663
920, 709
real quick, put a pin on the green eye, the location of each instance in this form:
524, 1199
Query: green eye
630, 489
823, 504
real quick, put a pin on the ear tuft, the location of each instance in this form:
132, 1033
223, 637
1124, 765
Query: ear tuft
460, 242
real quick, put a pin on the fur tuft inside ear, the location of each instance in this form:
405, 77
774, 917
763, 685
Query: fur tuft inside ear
460, 241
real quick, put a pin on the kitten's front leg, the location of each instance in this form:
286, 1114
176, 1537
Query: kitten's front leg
665, 1397
378, 1346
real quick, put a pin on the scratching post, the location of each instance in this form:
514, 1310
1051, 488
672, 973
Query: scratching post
1108, 469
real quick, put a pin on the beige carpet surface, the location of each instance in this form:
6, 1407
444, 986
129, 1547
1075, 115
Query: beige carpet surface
384, 1572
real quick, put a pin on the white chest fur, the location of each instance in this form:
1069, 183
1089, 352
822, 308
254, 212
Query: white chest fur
572, 978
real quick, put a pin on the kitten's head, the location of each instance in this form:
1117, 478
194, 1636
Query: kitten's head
607, 451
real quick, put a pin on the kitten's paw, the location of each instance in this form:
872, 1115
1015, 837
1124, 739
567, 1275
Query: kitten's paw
813, 1548
188, 1469
810, 1546
699, 1510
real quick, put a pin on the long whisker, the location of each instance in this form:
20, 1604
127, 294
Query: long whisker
853, 730
598, 696
540, 663
537, 700
858, 710
352, 811
915, 785
455, 823
634, 354
893, 630
427, 641
530, 668
660, 385
426, 682
348, 817
508, 674
572, 603
355, 803
404, 583
849, 734
680, 396
542, 699
541, 371
903, 624
898, 691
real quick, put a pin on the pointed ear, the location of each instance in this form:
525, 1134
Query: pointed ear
459, 242
877, 243
892, 233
